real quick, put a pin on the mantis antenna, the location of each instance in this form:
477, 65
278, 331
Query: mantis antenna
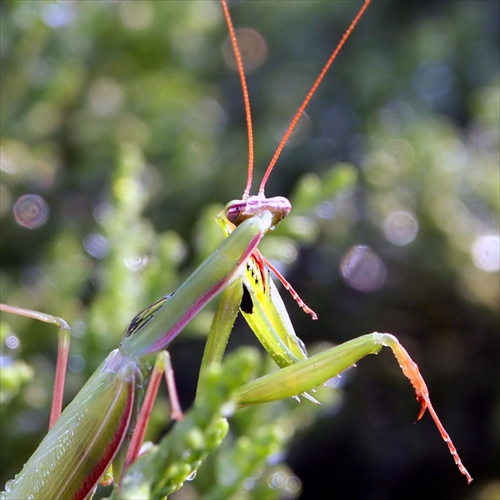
300, 111
237, 211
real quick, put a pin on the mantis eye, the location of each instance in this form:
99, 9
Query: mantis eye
234, 209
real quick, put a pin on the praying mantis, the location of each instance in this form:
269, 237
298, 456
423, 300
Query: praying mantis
241, 244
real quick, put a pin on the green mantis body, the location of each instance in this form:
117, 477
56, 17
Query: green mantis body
114, 389
79, 448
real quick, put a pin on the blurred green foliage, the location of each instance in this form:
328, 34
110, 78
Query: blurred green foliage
126, 119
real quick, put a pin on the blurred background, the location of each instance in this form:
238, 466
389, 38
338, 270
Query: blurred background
123, 133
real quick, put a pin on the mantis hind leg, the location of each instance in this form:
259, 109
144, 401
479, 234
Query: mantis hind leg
311, 372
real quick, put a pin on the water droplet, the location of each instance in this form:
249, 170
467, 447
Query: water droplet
191, 476
228, 409
9, 484
146, 447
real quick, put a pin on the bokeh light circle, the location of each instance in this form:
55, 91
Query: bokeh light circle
363, 269
31, 211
